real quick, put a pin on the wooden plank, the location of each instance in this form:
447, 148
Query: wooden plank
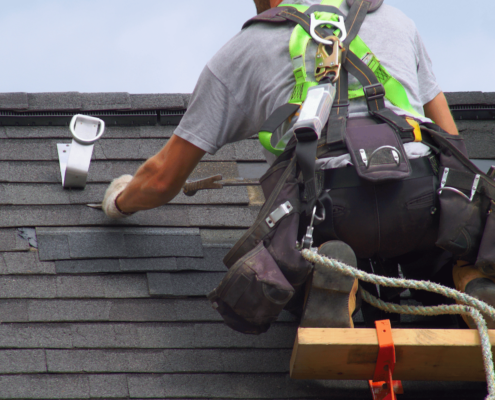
422, 354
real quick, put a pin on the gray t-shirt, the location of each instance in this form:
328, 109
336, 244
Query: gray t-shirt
252, 75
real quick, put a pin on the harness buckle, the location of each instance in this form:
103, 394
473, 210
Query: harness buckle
325, 63
374, 92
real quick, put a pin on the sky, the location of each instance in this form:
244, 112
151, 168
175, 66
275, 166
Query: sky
161, 46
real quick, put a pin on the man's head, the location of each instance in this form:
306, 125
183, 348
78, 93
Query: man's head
263, 5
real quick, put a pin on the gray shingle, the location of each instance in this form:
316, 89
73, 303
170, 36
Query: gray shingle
26, 263
252, 170
221, 238
11, 241
87, 266
166, 216
248, 150
479, 138
25, 336
163, 243
14, 310
44, 386
22, 361
39, 172
35, 287
174, 336
60, 101
38, 132
52, 246
67, 310
109, 286
241, 386
489, 97
461, 98
106, 101
168, 361
148, 264
115, 242
108, 386
110, 310
183, 283
14, 101
50, 287
144, 310
157, 101
28, 150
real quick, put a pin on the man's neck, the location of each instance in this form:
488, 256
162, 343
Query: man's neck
275, 3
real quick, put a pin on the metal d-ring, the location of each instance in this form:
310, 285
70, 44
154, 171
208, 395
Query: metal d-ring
395, 153
340, 25
86, 118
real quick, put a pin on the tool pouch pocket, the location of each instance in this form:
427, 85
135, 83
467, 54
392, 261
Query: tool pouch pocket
463, 211
377, 152
277, 225
253, 292
486, 255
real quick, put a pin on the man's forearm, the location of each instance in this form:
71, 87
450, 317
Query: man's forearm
160, 178
438, 110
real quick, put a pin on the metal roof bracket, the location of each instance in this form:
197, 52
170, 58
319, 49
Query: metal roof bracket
75, 158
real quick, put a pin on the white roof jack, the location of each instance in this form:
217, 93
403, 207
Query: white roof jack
75, 158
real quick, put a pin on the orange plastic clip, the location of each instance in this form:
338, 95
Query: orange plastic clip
383, 387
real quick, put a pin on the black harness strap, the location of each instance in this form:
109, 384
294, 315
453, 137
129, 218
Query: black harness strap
279, 116
355, 19
337, 121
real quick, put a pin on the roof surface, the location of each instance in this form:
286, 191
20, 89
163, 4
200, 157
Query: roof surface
96, 308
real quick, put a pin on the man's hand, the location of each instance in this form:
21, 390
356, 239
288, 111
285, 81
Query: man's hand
114, 190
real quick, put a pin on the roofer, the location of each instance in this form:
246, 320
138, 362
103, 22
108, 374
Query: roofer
385, 207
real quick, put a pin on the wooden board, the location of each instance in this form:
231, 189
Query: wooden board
422, 354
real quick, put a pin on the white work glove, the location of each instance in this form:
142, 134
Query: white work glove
114, 190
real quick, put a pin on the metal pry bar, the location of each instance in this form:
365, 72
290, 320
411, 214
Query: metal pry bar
215, 182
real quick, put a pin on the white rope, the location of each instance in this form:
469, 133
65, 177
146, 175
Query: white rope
472, 306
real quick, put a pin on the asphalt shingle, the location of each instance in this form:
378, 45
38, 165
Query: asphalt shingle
167, 361
10, 240
106, 101
157, 101
14, 101
60, 101
183, 283
118, 242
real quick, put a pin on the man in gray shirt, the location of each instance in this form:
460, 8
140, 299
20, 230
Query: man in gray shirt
249, 78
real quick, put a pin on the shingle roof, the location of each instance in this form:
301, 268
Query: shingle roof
96, 308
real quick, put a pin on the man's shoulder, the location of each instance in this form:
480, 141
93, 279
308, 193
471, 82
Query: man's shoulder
393, 15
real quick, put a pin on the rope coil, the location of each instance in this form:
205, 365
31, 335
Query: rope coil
471, 305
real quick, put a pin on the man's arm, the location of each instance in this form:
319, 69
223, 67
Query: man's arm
160, 178
438, 110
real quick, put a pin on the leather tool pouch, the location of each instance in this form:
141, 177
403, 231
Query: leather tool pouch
462, 221
266, 257
377, 152
252, 293
464, 196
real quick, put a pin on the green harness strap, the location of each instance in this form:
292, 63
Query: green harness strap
394, 91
